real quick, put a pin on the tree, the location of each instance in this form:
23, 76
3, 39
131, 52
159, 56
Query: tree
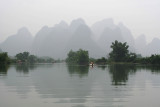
82, 57
19, 56
119, 51
32, 59
4, 59
131, 57
102, 60
78, 57
22, 56
72, 57
25, 55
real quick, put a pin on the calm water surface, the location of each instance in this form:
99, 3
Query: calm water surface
59, 85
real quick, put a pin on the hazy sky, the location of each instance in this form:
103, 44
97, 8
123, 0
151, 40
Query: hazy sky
140, 16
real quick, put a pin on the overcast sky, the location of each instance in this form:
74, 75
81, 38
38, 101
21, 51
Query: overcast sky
140, 16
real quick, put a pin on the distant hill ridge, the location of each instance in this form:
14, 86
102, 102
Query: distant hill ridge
57, 41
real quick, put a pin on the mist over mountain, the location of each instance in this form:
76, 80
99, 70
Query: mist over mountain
108, 36
62, 24
17, 43
147, 49
52, 41
127, 36
60, 39
153, 47
140, 44
105, 32
99, 27
39, 39
75, 24
82, 38
57, 41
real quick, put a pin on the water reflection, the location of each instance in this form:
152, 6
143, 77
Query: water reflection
78, 70
152, 68
57, 84
102, 67
78, 86
24, 68
3, 70
120, 72
155, 69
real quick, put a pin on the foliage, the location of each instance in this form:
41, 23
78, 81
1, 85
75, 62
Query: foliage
102, 60
78, 57
32, 59
72, 57
4, 59
25, 57
131, 57
119, 51
82, 57
153, 59
22, 56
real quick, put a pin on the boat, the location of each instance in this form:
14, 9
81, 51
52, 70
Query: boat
91, 64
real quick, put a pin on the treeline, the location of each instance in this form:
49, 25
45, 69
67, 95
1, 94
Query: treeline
99, 61
153, 59
25, 57
119, 54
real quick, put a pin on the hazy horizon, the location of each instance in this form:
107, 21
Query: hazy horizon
141, 17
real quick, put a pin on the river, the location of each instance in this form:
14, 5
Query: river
61, 85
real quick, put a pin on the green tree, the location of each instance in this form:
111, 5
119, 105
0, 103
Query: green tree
22, 56
102, 61
72, 57
19, 56
78, 57
119, 51
155, 59
4, 59
131, 57
25, 55
82, 57
32, 59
